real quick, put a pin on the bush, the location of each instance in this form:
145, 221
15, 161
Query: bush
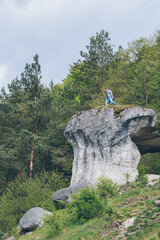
85, 205
151, 162
54, 226
106, 187
142, 178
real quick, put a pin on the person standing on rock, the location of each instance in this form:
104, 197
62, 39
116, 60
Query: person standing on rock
109, 97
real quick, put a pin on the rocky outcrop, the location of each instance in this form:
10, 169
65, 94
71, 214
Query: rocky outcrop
104, 143
33, 219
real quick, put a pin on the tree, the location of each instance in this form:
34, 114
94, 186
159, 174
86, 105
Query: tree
99, 56
142, 53
24, 115
31, 83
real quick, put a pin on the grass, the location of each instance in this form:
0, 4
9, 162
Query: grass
135, 201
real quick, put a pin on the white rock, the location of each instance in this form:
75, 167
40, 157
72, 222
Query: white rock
129, 222
33, 218
152, 179
103, 146
11, 238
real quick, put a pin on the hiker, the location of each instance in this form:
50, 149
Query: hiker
109, 97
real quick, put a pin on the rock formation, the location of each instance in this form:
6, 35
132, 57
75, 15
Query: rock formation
104, 144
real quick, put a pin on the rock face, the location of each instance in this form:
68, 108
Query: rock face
102, 143
33, 219
103, 146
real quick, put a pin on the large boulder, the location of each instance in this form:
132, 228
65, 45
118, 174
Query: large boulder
104, 143
33, 219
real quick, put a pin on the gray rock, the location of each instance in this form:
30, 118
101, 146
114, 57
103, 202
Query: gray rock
64, 194
129, 222
107, 143
153, 179
11, 238
33, 219
28, 233
103, 146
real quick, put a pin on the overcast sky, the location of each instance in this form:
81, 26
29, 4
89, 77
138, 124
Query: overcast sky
59, 29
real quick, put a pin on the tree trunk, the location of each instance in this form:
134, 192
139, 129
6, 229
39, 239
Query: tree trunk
31, 163
145, 86
100, 83
32, 151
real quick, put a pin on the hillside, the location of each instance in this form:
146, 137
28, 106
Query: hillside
135, 201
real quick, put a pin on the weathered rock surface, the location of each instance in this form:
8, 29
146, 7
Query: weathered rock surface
11, 238
64, 194
129, 222
33, 218
104, 144
153, 179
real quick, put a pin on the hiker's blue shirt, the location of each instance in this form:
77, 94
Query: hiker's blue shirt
109, 95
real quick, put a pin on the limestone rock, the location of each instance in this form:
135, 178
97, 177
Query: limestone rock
64, 194
102, 143
11, 238
153, 179
33, 219
108, 143
129, 222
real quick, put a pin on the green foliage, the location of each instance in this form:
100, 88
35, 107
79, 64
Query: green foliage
85, 205
127, 177
31, 128
24, 194
142, 178
151, 162
54, 226
106, 188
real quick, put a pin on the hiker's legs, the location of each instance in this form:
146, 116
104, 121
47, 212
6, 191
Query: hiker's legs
107, 101
111, 100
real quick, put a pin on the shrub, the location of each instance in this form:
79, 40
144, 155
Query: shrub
106, 187
85, 205
142, 170
54, 226
142, 178
151, 162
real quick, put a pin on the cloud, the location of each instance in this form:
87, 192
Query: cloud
58, 29
3, 73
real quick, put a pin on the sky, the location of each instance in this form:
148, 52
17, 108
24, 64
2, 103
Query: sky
57, 30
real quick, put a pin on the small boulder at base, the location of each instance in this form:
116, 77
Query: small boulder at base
33, 218
153, 179
65, 193
11, 238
